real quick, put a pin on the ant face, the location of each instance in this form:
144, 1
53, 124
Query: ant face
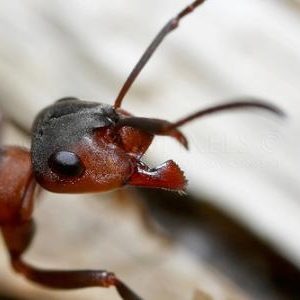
80, 146
73, 150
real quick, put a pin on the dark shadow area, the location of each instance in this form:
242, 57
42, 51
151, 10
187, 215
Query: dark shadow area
225, 244
2, 297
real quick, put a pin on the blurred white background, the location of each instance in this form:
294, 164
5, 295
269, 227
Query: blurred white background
246, 161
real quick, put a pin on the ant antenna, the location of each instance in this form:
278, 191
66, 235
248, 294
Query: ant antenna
226, 106
164, 127
170, 26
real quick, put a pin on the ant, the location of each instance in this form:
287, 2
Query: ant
79, 147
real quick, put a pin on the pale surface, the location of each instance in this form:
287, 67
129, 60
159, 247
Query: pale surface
246, 161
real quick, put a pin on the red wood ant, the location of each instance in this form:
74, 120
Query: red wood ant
78, 147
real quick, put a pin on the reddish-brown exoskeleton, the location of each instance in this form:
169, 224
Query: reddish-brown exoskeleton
78, 147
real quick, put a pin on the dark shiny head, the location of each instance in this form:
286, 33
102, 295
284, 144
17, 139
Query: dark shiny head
69, 150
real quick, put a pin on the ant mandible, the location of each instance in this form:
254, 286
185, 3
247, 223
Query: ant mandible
78, 147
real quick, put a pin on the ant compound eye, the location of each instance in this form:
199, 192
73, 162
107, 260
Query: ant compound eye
66, 164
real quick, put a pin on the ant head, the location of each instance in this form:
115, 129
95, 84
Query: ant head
69, 151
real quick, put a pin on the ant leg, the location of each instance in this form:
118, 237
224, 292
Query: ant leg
167, 176
18, 236
18, 230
